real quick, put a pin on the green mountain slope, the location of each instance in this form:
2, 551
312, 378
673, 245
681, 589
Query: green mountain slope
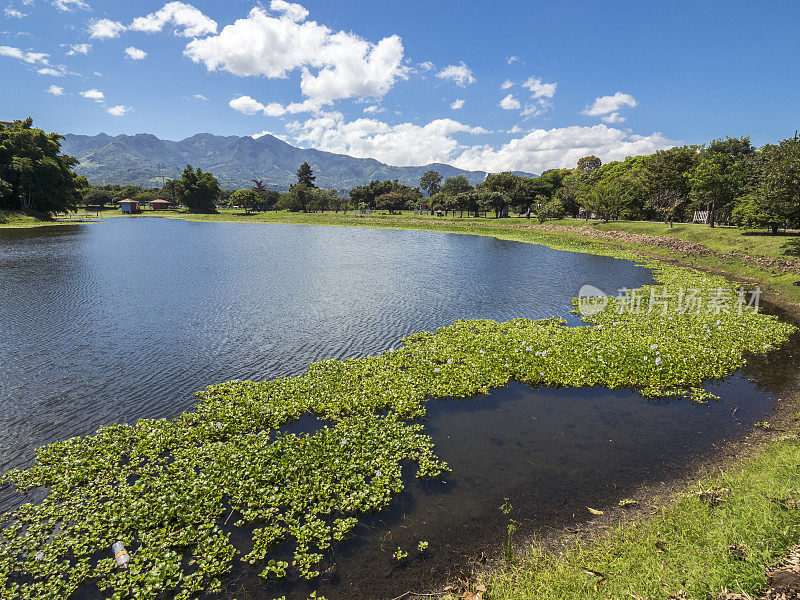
144, 159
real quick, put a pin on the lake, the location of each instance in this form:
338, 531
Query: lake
112, 322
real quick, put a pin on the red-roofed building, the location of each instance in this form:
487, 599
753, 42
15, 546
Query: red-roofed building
159, 204
128, 206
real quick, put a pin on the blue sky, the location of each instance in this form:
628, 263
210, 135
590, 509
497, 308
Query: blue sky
505, 85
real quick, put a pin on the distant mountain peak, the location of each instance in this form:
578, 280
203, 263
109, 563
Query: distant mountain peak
144, 159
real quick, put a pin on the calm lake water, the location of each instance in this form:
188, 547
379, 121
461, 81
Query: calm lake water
112, 322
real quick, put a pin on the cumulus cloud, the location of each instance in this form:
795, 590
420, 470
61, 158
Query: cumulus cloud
461, 74
79, 49
458, 104
104, 29
70, 5
512, 59
188, 20
539, 89
373, 110
94, 94
295, 12
427, 66
604, 105
614, 117
55, 90
135, 53
403, 144
118, 111
509, 103
507, 84
442, 140
52, 71
250, 106
12, 13
332, 65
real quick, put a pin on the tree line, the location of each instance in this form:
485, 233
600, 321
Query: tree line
728, 181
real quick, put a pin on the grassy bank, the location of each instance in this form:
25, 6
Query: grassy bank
717, 536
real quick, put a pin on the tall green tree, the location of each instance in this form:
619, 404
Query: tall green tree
774, 200
589, 164
198, 190
40, 178
247, 199
431, 182
305, 176
722, 175
606, 198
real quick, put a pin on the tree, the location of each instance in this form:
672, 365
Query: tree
96, 196
551, 209
305, 176
40, 177
268, 198
589, 164
606, 198
519, 191
247, 199
774, 201
492, 200
430, 182
453, 186
169, 191
198, 190
722, 174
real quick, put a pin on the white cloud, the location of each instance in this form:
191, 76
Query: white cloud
28, 57
461, 74
374, 109
614, 117
507, 84
199, 97
94, 94
543, 149
118, 111
408, 144
604, 105
249, 106
69, 5
14, 14
104, 29
261, 134
458, 104
40, 59
135, 53
539, 89
515, 129
79, 49
55, 90
427, 66
509, 103
189, 21
512, 59
295, 12
403, 144
332, 65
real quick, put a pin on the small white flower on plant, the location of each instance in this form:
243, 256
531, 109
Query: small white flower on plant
658, 360
654, 346
378, 473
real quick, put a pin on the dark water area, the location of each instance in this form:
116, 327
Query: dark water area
118, 321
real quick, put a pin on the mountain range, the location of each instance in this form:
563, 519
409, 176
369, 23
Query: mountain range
146, 160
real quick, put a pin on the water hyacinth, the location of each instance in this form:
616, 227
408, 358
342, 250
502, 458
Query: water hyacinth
170, 490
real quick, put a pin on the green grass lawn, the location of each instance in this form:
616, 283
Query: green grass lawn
698, 545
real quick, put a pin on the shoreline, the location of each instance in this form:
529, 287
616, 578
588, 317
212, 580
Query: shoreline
548, 239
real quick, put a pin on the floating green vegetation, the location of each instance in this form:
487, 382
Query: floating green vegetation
171, 490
